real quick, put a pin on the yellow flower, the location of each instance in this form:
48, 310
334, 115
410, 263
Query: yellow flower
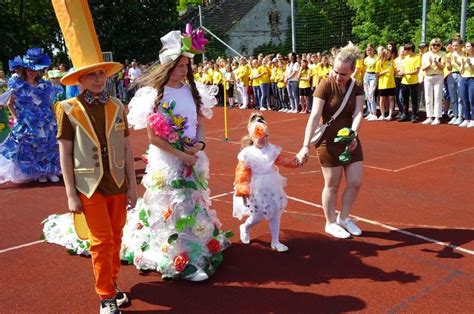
165, 248
158, 179
2, 126
344, 132
178, 121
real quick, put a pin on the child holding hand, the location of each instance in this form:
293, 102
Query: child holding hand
258, 184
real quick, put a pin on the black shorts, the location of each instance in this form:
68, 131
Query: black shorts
387, 92
305, 91
230, 91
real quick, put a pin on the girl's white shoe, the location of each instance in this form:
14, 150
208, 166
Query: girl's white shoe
53, 178
279, 247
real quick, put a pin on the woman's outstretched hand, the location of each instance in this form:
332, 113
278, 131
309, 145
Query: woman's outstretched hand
302, 155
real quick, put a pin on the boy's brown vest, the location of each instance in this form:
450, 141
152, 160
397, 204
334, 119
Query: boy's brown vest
87, 153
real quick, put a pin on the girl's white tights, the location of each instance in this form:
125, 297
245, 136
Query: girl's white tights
273, 224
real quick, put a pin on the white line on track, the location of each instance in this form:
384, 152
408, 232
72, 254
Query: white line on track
372, 222
244, 125
385, 226
21, 246
433, 159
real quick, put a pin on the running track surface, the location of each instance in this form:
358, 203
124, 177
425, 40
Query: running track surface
416, 253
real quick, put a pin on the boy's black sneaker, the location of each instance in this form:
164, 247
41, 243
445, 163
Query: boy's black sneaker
121, 297
109, 306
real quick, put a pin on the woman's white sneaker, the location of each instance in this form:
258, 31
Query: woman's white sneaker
427, 121
349, 225
464, 124
336, 231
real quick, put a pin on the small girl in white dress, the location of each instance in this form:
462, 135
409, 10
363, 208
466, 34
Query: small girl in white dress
258, 184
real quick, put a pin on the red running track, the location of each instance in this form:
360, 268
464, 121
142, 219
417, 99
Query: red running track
416, 253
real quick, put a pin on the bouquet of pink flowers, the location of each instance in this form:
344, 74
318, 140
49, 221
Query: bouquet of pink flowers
170, 127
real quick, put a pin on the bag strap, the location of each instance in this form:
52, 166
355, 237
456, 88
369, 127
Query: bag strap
343, 104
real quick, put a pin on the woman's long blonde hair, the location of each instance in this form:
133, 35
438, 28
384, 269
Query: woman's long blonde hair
159, 76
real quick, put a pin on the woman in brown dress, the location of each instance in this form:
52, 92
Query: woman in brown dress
328, 97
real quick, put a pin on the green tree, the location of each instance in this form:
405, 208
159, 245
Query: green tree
379, 22
183, 4
132, 29
25, 24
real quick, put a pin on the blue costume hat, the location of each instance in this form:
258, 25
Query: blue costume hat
16, 63
36, 59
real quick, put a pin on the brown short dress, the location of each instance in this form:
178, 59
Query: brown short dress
328, 151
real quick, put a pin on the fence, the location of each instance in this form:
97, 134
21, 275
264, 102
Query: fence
321, 25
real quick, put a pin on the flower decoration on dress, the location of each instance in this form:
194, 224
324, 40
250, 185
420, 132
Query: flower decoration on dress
346, 136
214, 246
180, 262
36, 59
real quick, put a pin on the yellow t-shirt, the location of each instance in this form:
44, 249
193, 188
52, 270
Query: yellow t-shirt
206, 79
369, 63
197, 77
217, 78
273, 74
243, 73
253, 73
265, 71
324, 72
359, 77
280, 77
315, 73
453, 57
410, 64
386, 80
468, 70
305, 76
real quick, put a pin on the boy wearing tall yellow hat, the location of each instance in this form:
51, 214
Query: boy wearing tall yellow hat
96, 155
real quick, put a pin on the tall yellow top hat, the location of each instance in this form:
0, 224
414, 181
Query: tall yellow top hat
76, 23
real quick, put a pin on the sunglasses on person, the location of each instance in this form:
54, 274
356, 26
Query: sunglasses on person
436, 45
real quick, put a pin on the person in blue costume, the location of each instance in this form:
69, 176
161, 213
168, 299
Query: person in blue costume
4, 115
30, 152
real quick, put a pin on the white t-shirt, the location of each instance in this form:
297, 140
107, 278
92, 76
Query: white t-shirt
185, 106
290, 68
134, 73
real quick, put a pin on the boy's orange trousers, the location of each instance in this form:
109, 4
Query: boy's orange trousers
105, 216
